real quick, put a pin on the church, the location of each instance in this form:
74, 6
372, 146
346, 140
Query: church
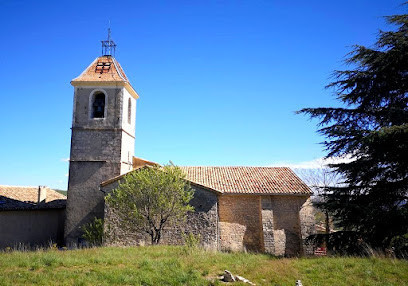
262, 209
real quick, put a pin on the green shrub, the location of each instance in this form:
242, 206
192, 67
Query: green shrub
93, 232
191, 240
400, 246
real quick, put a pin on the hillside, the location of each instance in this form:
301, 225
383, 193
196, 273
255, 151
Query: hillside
64, 192
164, 265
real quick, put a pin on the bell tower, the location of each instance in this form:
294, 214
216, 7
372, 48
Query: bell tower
103, 137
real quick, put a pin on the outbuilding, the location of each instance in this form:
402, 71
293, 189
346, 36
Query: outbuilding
31, 216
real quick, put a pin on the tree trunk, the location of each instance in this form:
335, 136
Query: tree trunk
156, 237
327, 222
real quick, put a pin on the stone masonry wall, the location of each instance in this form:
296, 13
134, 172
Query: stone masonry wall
267, 225
94, 144
85, 200
240, 223
128, 134
96, 153
128, 127
127, 151
276, 224
113, 107
284, 227
307, 225
201, 223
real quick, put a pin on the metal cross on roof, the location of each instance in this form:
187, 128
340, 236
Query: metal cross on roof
108, 46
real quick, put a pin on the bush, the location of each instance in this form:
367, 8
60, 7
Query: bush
342, 243
93, 232
400, 246
191, 240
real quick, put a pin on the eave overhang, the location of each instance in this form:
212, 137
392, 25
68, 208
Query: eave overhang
124, 84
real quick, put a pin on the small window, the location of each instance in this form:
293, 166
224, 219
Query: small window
129, 111
98, 105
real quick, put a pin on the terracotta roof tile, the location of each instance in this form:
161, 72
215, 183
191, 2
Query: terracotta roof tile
241, 180
248, 180
18, 197
139, 162
105, 68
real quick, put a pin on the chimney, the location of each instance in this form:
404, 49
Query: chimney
42, 194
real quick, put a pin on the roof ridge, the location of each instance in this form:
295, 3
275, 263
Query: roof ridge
23, 186
238, 166
116, 64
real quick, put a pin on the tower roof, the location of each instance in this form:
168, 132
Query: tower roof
104, 71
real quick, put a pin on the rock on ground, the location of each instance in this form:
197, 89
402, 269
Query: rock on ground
228, 277
242, 279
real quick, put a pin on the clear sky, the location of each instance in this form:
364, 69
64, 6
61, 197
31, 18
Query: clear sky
219, 81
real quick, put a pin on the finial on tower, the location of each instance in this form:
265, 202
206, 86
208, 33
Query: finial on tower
108, 46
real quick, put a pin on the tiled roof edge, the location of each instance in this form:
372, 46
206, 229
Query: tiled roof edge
300, 180
116, 64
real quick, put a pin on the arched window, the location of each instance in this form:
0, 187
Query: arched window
98, 105
129, 111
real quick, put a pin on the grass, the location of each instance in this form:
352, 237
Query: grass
171, 265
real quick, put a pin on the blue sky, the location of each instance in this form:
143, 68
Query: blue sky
219, 81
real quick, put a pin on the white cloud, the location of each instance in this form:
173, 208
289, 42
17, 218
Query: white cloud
313, 164
65, 159
66, 175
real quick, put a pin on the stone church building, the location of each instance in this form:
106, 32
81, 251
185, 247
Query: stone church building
265, 209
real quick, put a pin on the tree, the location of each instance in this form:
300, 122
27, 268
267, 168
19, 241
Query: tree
319, 179
372, 129
151, 198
